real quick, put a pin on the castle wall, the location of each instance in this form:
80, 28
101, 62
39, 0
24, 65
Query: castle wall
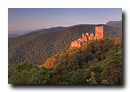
76, 44
87, 34
80, 41
85, 39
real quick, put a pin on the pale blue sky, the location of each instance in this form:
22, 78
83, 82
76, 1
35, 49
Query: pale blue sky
36, 18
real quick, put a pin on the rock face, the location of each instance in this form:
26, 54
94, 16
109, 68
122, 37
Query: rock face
86, 37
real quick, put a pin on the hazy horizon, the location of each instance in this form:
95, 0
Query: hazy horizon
37, 18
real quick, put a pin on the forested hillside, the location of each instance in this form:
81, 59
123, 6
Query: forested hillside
95, 62
36, 32
38, 48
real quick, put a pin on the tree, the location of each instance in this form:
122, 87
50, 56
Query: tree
10, 70
25, 66
118, 41
92, 79
112, 69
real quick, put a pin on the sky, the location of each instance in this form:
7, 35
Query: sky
37, 18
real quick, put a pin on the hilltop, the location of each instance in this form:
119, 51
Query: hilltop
115, 24
35, 32
38, 48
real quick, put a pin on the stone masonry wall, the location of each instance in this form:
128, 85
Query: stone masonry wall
86, 37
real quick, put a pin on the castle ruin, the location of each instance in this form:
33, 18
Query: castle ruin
86, 37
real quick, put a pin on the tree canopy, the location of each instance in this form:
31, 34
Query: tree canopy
95, 62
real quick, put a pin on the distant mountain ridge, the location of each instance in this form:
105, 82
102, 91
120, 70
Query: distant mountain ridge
12, 35
112, 22
36, 32
115, 24
17, 35
39, 47
20, 32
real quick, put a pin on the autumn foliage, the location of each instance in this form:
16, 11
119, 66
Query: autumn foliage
118, 41
50, 61
41, 66
101, 58
90, 45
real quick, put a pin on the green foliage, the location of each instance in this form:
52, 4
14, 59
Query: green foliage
92, 79
79, 76
99, 62
112, 69
25, 66
105, 82
30, 75
10, 70
74, 62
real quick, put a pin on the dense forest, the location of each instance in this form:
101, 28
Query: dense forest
95, 62
38, 48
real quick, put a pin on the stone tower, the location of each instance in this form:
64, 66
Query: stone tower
82, 34
99, 32
86, 37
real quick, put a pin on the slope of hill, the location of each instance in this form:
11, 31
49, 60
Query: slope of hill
36, 32
38, 48
115, 24
95, 62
